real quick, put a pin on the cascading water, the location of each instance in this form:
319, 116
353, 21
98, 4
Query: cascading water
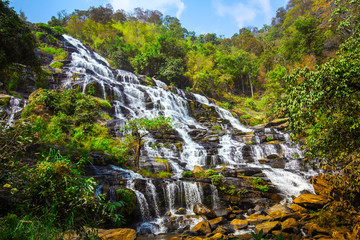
16, 105
131, 99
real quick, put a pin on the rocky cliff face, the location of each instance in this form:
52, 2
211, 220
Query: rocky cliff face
250, 168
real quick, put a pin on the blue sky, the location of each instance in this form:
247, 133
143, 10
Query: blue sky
223, 17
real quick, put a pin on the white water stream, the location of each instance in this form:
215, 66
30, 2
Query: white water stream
131, 100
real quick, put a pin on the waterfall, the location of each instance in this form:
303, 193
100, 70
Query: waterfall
215, 197
193, 195
16, 105
131, 99
153, 194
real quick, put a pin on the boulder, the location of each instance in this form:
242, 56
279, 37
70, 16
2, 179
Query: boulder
314, 230
214, 223
278, 215
222, 212
290, 225
267, 227
257, 218
222, 230
278, 207
202, 228
263, 161
311, 201
117, 234
217, 236
321, 186
201, 209
237, 224
298, 208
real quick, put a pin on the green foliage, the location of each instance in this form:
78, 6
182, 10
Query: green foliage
164, 174
210, 172
216, 179
17, 44
57, 65
72, 123
187, 174
323, 105
256, 183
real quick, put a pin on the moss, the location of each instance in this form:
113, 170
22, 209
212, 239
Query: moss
56, 65
4, 101
164, 175
103, 104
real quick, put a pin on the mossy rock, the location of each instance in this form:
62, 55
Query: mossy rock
4, 100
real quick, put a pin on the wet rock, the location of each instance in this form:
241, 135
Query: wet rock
201, 209
321, 186
273, 156
267, 227
314, 229
202, 228
278, 207
177, 223
290, 225
121, 233
154, 167
214, 223
256, 218
311, 201
222, 212
216, 236
237, 224
180, 211
222, 230
298, 208
264, 161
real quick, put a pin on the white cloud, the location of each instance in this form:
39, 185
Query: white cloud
244, 12
161, 5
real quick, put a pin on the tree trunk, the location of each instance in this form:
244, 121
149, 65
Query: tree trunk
251, 86
137, 155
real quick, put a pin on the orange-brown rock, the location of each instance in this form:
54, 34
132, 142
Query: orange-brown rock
267, 227
216, 236
279, 207
201, 209
311, 201
117, 234
214, 223
321, 185
257, 218
202, 228
290, 225
298, 208
314, 230
237, 224
198, 171
278, 215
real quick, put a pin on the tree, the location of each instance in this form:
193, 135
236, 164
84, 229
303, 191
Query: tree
139, 129
17, 43
324, 106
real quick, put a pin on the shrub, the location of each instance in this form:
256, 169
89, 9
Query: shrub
56, 65
210, 172
216, 179
165, 175
187, 174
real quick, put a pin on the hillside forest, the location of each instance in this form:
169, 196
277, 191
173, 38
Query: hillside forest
304, 66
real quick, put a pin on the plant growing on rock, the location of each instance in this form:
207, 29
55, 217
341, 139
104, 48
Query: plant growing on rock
216, 179
139, 129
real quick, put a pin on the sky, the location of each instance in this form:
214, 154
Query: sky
223, 17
